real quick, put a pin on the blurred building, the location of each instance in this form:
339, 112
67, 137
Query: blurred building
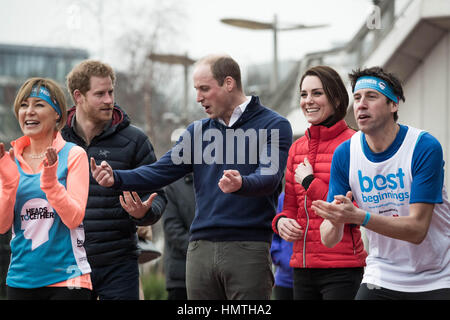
343, 59
410, 38
17, 63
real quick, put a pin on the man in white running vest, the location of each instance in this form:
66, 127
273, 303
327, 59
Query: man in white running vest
395, 174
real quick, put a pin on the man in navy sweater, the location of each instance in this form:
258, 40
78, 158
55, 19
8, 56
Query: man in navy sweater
238, 156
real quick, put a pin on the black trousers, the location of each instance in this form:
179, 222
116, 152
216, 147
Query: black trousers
177, 294
283, 293
48, 293
327, 283
118, 281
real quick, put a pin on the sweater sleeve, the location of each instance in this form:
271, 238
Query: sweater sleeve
69, 203
150, 176
9, 181
272, 162
146, 155
158, 174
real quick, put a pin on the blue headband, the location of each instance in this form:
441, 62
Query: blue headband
44, 94
375, 83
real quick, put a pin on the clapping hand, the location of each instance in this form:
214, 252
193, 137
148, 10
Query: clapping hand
3, 152
340, 211
51, 157
9, 174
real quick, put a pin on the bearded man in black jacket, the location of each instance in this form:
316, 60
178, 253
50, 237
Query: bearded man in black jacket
103, 129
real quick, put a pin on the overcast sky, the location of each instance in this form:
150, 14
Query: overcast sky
96, 25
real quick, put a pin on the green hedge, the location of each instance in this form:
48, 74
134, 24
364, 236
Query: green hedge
154, 286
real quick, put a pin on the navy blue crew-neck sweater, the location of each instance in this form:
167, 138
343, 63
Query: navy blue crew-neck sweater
257, 145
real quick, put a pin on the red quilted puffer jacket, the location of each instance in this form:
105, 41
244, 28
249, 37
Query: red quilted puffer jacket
318, 145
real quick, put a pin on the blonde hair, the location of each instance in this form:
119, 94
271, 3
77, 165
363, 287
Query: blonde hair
80, 76
56, 94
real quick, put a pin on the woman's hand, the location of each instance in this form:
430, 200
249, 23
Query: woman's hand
303, 170
289, 229
51, 157
3, 152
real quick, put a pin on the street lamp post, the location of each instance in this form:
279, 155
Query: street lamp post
176, 59
256, 25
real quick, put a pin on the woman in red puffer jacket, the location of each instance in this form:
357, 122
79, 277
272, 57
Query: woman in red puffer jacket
319, 272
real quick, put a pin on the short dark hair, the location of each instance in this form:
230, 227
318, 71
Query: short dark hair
334, 88
223, 66
378, 72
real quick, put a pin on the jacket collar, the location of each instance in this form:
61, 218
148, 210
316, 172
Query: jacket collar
324, 133
21, 143
119, 116
119, 121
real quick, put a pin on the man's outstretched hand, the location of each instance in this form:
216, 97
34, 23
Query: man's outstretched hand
133, 204
102, 173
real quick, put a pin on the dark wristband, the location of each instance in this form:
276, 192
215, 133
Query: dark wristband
307, 181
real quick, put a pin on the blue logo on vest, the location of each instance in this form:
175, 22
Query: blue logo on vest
392, 181
381, 182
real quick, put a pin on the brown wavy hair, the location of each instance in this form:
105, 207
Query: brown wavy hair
80, 76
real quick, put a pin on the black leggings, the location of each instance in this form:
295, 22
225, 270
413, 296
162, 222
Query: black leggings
48, 293
327, 283
371, 292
